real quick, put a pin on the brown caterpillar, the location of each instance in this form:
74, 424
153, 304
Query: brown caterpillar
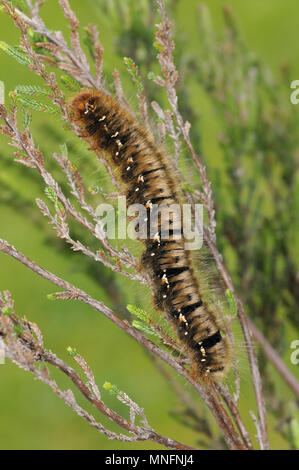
149, 180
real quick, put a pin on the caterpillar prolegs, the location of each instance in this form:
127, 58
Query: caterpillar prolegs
149, 178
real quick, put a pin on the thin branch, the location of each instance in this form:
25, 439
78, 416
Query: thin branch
85, 77
25, 351
256, 377
208, 394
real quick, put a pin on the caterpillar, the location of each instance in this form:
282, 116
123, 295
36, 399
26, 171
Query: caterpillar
149, 180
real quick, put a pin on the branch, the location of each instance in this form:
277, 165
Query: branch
72, 61
207, 393
24, 346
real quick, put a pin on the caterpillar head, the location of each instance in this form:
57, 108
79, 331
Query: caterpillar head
81, 104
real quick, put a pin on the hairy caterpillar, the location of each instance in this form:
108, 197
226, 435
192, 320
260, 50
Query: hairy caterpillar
149, 180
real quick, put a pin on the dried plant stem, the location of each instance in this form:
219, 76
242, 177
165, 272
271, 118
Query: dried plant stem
84, 389
25, 348
55, 38
208, 394
256, 377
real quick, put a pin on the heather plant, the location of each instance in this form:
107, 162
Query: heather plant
249, 202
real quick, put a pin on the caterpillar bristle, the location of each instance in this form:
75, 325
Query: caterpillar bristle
150, 180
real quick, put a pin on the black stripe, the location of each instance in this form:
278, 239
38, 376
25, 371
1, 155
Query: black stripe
170, 272
161, 198
190, 308
177, 291
134, 154
147, 172
92, 129
212, 340
220, 369
164, 242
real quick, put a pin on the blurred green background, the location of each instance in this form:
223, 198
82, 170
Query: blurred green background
31, 416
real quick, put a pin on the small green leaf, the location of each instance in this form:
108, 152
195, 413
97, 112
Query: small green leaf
15, 52
51, 194
113, 389
138, 312
144, 328
18, 329
32, 90
51, 296
27, 117
36, 105
188, 188
70, 83
7, 311
36, 37
72, 351
158, 46
107, 386
94, 189
134, 73
20, 4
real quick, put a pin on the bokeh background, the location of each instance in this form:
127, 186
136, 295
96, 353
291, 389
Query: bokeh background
260, 152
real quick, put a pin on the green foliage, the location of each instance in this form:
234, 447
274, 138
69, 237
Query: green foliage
70, 83
134, 73
26, 117
23, 94
51, 296
36, 38
15, 52
6, 311
72, 351
141, 326
113, 389
36, 105
139, 312
20, 4
188, 188
158, 46
31, 90
50, 192
18, 329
